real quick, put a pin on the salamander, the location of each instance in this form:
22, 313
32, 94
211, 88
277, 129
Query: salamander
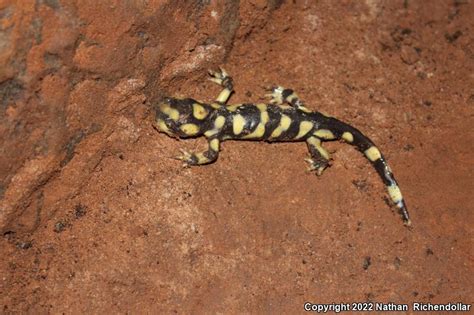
284, 118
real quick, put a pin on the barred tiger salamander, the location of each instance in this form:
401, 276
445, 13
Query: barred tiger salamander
286, 118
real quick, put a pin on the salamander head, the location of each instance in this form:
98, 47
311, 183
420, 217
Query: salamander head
181, 118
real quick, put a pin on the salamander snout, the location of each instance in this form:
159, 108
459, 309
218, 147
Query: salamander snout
175, 118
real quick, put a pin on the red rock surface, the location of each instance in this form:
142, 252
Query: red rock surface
96, 216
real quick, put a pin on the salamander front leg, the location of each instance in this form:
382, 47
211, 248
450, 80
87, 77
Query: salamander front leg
319, 156
223, 79
201, 158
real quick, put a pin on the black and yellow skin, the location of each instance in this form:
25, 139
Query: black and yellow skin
284, 119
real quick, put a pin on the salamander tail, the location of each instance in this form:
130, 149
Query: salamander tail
353, 136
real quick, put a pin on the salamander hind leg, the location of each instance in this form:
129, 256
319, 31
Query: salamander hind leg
320, 158
201, 158
223, 79
275, 95
280, 95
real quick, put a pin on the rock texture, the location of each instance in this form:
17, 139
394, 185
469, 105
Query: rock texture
96, 216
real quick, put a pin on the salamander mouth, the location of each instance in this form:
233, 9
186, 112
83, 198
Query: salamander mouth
163, 123
162, 126
164, 114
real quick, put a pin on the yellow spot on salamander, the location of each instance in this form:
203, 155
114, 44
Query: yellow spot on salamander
262, 107
214, 145
313, 141
238, 124
324, 134
224, 95
257, 133
260, 129
264, 118
304, 109
199, 112
347, 136
291, 97
395, 193
189, 129
373, 154
216, 105
305, 127
233, 108
172, 113
283, 126
218, 124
